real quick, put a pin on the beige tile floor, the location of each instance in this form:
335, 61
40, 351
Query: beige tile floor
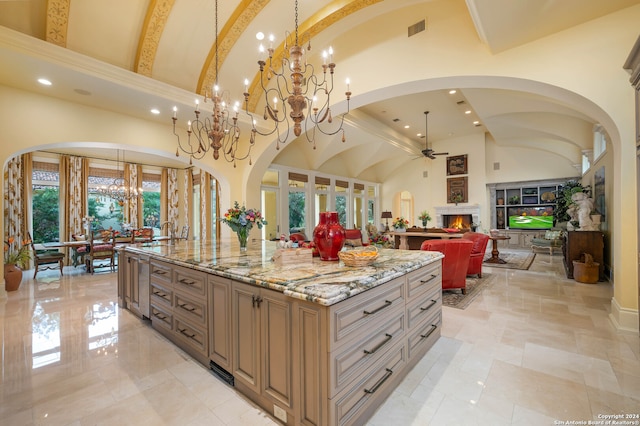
533, 349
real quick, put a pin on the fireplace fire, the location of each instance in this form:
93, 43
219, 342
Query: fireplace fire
458, 221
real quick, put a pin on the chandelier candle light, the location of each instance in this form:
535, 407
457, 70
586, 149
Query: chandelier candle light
120, 190
303, 89
218, 132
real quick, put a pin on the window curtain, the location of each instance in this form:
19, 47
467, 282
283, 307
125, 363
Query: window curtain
17, 213
132, 175
188, 196
74, 182
205, 206
169, 196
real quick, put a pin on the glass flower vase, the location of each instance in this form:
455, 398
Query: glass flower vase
243, 234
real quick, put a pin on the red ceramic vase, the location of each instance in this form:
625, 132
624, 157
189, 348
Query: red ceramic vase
329, 236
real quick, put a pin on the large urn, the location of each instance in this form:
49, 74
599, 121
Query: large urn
329, 236
12, 277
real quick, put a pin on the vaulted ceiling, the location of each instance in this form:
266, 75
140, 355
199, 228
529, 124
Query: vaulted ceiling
173, 41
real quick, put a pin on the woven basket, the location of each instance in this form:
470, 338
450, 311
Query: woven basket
359, 257
586, 272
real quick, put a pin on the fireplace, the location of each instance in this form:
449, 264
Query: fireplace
468, 214
459, 221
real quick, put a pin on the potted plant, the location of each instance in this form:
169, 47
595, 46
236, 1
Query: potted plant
424, 218
15, 258
514, 199
564, 201
400, 224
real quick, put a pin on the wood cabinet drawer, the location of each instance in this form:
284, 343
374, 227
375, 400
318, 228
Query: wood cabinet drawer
188, 307
161, 293
191, 281
160, 271
423, 307
193, 336
424, 279
370, 390
161, 317
424, 336
356, 316
360, 355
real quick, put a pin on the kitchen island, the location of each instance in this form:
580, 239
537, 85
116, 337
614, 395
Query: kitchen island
318, 343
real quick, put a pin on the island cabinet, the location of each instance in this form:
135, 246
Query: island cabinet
303, 359
262, 345
178, 307
133, 283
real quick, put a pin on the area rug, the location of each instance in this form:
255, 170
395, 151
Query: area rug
475, 286
515, 260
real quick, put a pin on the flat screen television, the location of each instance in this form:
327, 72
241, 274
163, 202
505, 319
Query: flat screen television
530, 217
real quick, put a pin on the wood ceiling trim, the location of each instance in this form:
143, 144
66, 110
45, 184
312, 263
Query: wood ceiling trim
321, 20
240, 19
57, 22
154, 23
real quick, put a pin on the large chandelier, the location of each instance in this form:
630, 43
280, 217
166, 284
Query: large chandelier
119, 190
302, 89
218, 132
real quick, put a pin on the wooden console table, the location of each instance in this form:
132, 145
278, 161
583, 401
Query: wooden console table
578, 242
419, 237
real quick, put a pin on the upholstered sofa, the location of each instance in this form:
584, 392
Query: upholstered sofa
552, 239
477, 251
455, 263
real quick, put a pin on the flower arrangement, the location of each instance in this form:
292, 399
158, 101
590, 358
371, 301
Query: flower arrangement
400, 222
424, 217
380, 240
241, 220
15, 254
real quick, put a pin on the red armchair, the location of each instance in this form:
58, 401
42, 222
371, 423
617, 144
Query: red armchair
353, 238
455, 263
477, 252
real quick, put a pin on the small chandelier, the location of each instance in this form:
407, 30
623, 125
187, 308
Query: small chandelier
218, 132
120, 190
303, 89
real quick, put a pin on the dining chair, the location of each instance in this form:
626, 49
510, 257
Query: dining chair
46, 259
101, 247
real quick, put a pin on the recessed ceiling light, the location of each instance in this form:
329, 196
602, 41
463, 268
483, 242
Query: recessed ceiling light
155, 111
476, 123
419, 135
260, 35
44, 82
453, 91
468, 111
406, 126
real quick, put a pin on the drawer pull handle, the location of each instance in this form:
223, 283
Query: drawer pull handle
160, 272
387, 303
184, 331
429, 279
159, 316
433, 302
384, 342
380, 382
161, 294
187, 282
188, 307
433, 328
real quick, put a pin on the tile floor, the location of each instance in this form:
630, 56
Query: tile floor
533, 349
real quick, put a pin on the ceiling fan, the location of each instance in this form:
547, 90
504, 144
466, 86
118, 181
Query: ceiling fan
428, 152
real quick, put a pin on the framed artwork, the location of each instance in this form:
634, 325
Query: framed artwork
599, 204
457, 165
457, 190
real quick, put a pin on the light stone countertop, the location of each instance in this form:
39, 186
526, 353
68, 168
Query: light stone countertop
322, 282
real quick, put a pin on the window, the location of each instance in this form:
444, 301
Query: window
599, 141
270, 186
195, 208
151, 204
358, 205
342, 193
297, 202
45, 202
323, 185
108, 213
371, 204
